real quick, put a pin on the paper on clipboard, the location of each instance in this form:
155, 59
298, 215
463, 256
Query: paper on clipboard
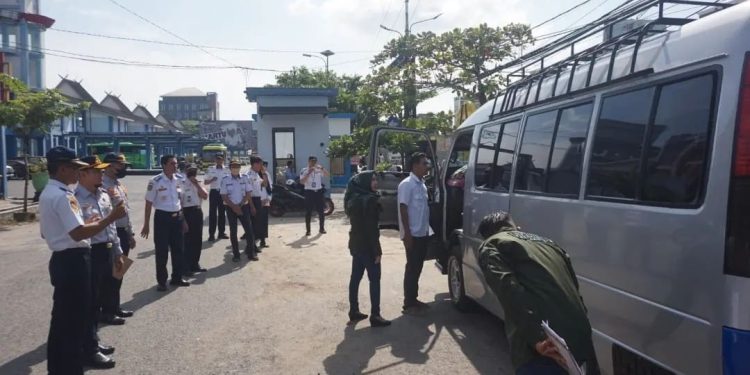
119, 273
571, 365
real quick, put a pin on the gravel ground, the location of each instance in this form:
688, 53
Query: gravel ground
283, 315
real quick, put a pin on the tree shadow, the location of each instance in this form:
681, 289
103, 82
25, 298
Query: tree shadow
22, 365
411, 340
304, 242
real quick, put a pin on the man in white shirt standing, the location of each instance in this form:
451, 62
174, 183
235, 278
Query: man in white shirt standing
312, 177
236, 191
414, 228
193, 195
164, 194
216, 209
67, 235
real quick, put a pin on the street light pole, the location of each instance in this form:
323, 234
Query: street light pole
327, 53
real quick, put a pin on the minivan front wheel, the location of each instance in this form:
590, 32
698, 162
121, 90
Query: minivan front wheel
456, 285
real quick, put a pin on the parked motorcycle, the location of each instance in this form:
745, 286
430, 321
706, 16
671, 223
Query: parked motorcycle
291, 198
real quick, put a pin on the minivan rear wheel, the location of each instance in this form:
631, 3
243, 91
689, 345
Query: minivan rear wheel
456, 285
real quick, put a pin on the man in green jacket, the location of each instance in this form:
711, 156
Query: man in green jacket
534, 281
362, 206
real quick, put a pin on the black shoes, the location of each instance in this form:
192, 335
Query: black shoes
223, 237
355, 316
124, 313
323, 231
307, 234
378, 321
198, 269
236, 258
106, 349
179, 282
99, 361
189, 274
112, 320
263, 243
161, 288
252, 257
211, 239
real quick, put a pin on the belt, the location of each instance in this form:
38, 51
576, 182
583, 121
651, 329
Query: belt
191, 208
174, 214
101, 245
72, 251
314, 191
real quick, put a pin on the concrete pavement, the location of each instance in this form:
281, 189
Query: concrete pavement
285, 314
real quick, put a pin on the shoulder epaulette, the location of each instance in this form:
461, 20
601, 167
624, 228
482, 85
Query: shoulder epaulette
157, 178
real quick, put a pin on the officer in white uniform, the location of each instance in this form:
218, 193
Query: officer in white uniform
67, 235
105, 252
312, 177
216, 209
259, 182
236, 191
164, 194
193, 195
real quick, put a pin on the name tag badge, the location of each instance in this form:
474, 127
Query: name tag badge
314, 184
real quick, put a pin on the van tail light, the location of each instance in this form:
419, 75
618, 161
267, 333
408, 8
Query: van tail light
737, 245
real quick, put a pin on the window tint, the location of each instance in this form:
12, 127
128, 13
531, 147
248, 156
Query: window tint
678, 142
504, 164
564, 176
460, 153
486, 155
618, 142
533, 157
672, 167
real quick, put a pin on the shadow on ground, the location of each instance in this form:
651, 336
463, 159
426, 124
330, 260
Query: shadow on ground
411, 339
22, 365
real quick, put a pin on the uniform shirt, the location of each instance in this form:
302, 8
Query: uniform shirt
190, 197
213, 171
120, 193
314, 181
98, 204
289, 174
413, 193
236, 187
165, 194
255, 182
534, 281
59, 213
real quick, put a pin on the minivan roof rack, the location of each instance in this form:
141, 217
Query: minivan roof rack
606, 23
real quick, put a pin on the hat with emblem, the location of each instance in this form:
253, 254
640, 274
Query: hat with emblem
190, 166
93, 161
235, 162
219, 156
62, 154
115, 158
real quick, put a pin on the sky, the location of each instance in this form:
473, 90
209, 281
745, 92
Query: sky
277, 32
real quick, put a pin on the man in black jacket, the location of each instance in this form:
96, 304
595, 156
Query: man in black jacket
362, 207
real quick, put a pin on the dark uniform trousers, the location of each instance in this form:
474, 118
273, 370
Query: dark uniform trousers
70, 275
102, 289
194, 236
314, 200
124, 236
246, 222
168, 238
414, 262
260, 220
216, 210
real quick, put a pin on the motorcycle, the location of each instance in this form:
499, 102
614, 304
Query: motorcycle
291, 198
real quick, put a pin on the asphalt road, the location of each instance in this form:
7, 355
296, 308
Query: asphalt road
283, 315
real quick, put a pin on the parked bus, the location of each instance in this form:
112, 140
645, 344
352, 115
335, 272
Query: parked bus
135, 153
209, 152
636, 159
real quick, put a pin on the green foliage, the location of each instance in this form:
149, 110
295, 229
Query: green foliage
358, 143
191, 126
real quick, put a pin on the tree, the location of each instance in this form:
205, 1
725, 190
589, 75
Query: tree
191, 126
302, 77
29, 113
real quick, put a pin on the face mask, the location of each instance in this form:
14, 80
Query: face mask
121, 173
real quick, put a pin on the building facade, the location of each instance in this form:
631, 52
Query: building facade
190, 104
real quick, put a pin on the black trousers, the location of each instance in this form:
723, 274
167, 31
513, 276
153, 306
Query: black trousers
314, 200
102, 289
260, 220
246, 222
216, 210
124, 236
194, 236
414, 262
70, 275
168, 238
360, 263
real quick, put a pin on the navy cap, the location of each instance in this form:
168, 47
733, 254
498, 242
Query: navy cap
191, 166
62, 154
220, 156
115, 158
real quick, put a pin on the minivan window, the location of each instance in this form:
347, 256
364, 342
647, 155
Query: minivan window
618, 144
486, 155
671, 169
534, 154
564, 176
504, 163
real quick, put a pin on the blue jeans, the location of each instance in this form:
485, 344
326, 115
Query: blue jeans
360, 263
541, 366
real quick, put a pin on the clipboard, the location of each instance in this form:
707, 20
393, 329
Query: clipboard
126, 263
562, 347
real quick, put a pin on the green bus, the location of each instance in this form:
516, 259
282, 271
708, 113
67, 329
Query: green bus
209, 151
135, 153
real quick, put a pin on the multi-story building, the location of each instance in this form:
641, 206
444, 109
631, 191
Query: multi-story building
190, 104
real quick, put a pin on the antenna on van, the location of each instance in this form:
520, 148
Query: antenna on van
619, 31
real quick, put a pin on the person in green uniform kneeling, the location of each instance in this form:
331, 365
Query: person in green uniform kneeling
534, 281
